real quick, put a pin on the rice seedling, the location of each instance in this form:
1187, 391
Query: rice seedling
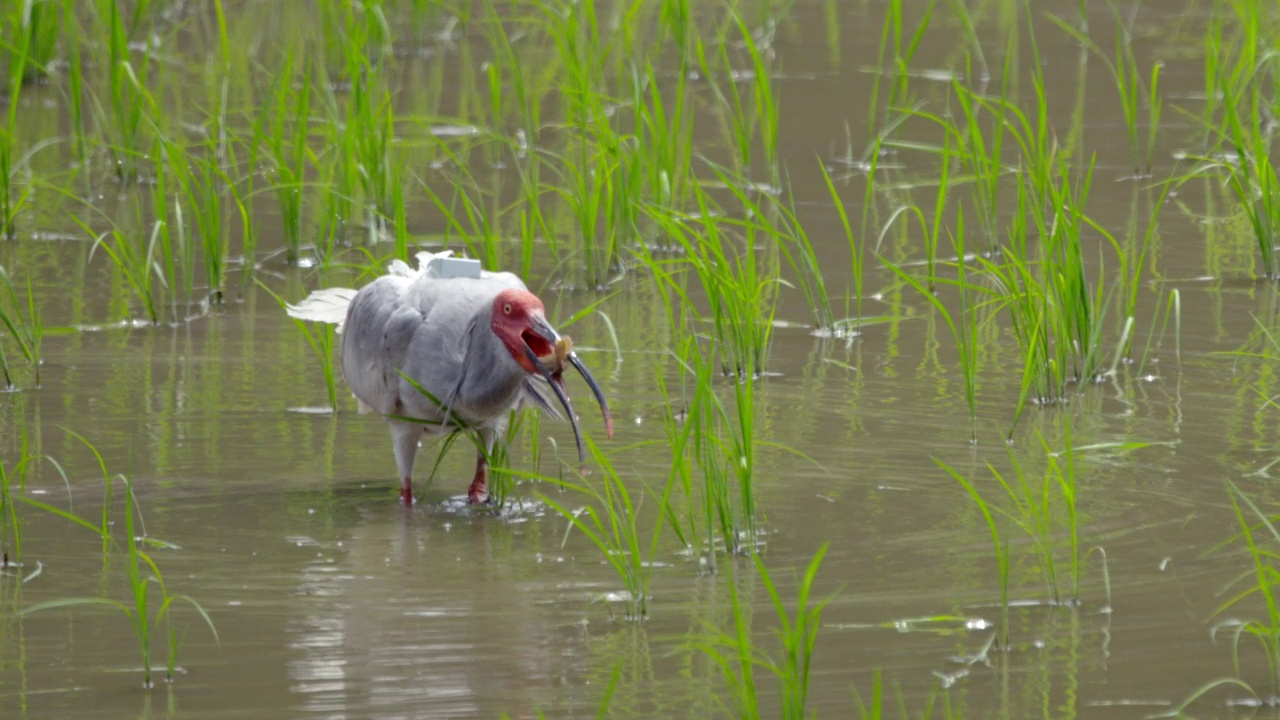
778, 222
857, 251
204, 185
32, 26
13, 481
24, 326
1259, 532
964, 325
664, 128
1056, 308
75, 87
135, 254
611, 523
1248, 171
749, 119
9, 205
740, 288
369, 135
145, 617
481, 231
1000, 545
981, 153
1031, 509
129, 96
338, 179
1042, 510
599, 170
895, 55
738, 656
285, 137
1133, 91
176, 262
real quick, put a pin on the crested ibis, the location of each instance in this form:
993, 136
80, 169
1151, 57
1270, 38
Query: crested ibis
447, 346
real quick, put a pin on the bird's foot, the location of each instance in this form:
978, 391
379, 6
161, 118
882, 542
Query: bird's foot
478, 494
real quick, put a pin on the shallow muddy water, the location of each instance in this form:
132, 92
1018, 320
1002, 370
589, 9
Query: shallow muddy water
332, 601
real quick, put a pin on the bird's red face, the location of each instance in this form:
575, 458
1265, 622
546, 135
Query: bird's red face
519, 320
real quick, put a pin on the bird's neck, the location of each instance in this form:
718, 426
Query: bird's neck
491, 379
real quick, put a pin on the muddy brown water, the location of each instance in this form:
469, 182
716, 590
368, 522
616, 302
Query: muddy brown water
330, 601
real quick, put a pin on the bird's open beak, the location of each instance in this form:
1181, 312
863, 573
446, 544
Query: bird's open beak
556, 379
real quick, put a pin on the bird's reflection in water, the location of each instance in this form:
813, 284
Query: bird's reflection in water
428, 613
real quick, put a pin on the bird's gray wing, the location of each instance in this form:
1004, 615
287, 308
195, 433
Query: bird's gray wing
442, 347
378, 331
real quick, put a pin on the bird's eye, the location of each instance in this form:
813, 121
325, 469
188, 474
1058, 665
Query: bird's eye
506, 309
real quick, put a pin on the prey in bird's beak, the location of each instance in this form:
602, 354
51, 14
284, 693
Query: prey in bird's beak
550, 364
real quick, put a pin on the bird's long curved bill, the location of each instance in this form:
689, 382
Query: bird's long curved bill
595, 390
558, 386
556, 381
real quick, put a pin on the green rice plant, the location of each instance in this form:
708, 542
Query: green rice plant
981, 152
176, 254
895, 55
932, 231
1247, 170
9, 205
129, 97
24, 326
135, 255
369, 134
964, 325
778, 222
75, 86
738, 656
1133, 91
611, 523
204, 186
466, 216
1042, 510
1132, 255
740, 288
736, 443
750, 117
144, 616
13, 483
664, 128
285, 136
1260, 535
339, 173
857, 250
32, 31
1057, 308
1031, 508
1172, 312
1000, 545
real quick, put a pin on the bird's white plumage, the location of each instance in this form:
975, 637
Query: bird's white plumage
326, 306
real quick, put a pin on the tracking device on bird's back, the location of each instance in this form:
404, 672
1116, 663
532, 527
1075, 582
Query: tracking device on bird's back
449, 267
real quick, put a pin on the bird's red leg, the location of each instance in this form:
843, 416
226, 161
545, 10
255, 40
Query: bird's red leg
479, 491
406, 491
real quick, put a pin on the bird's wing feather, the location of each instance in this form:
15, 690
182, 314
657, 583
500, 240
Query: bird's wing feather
534, 394
327, 306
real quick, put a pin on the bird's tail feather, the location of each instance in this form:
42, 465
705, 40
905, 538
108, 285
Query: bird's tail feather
328, 306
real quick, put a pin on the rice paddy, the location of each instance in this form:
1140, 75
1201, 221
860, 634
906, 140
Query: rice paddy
941, 337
